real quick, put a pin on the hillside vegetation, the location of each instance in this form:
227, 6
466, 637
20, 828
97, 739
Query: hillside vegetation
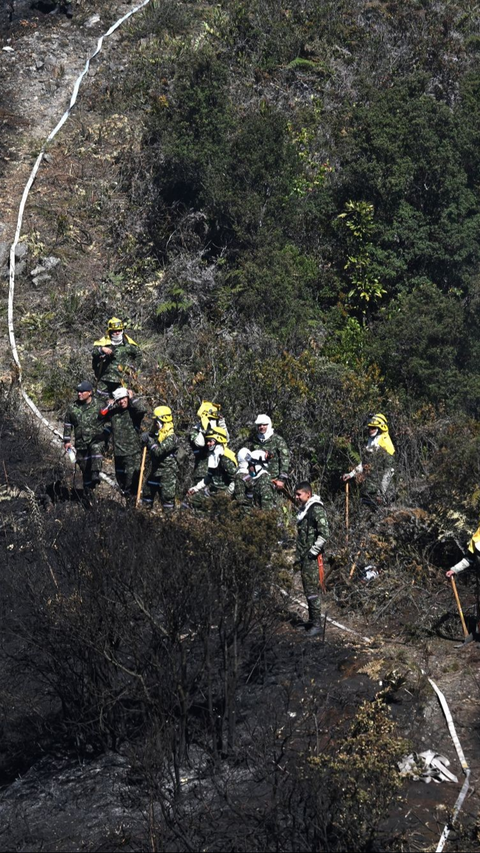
282, 201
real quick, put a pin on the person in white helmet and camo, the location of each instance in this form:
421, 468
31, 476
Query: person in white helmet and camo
115, 358
123, 416
376, 472
277, 457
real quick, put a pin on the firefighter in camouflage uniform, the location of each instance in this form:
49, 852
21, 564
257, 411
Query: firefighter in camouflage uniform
221, 469
312, 527
376, 472
123, 416
162, 445
278, 462
115, 358
83, 418
253, 486
210, 417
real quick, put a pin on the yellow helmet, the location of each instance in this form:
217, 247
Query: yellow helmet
163, 413
218, 433
378, 421
209, 410
115, 325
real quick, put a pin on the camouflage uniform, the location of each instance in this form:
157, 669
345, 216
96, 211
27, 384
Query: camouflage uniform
200, 451
377, 488
200, 454
253, 485
219, 480
112, 370
85, 420
312, 526
124, 425
376, 472
264, 493
162, 478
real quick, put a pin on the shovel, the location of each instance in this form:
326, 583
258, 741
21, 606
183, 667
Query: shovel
347, 484
468, 636
140, 478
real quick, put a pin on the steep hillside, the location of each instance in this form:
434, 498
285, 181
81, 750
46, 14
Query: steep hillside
282, 203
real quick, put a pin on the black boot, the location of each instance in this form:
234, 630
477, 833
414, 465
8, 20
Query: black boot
314, 624
314, 631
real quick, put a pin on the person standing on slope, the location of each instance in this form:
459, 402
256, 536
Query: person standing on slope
279, 455
83, 418
471, 558
221, 469
123, 416
376, 472
115, 357
312, 534
210, 418
162, 444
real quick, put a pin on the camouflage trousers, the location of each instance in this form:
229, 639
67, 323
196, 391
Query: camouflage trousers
311, 588
202, 500
264, 495
164, 484
127, 472
259, 493
89, 461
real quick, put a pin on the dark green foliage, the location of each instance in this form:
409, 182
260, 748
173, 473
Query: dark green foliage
234, 165
299, 222
274, 288
347, 796
403, 153
417, 343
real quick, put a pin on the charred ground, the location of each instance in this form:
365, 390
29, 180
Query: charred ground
156, 693
157, 690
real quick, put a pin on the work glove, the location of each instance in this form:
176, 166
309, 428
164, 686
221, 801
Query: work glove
221, 423
196, 488
147, 439
311, 556
199, 440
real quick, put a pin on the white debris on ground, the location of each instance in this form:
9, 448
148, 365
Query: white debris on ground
428, 766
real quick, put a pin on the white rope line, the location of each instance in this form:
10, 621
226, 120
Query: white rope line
463, 761
36, 411
451, 727
332, 621
21, 210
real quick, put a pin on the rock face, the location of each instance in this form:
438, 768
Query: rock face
21, 252
4, 252
41, 272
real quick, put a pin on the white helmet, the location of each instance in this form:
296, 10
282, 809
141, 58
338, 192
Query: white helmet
119, 393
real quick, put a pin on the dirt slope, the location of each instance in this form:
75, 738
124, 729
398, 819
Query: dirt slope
47, 53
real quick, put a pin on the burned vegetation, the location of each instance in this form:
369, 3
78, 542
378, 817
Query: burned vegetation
162, 656
282, 206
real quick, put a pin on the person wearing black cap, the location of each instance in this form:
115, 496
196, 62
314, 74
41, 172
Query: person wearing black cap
84, 419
